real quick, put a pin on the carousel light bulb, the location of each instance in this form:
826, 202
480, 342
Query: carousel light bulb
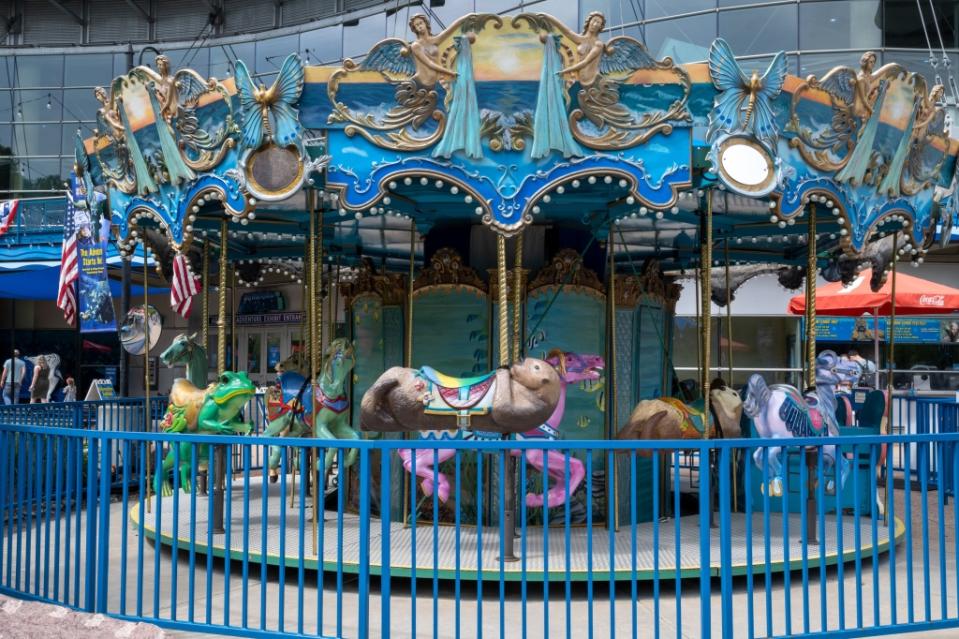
739, 240
920, 260
773, 218
828, 204
392, 185
659, 215
630, 200
674, 210
772, 204
439, 184
836, 212
310, 182
454, 189
195, 209
622, 184
387, 200
843, 232
547, 199
407, 181
633, 215
782, 224
591, 179
342, 212
560, 189
608, 179
536, 210
424, 181
791, 221
575, 184
468, 199
358, 215
699, 193
478, 210
189, 228
252, 201
643, 210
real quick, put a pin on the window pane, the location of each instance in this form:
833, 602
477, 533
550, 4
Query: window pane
903, 28
819, 64
271, 53
88, 70
40, 173
36, 139
660, 8
760, 30
852, 24
39, 105
79, 104
223, 57
685, 40
8, 106
253, 361
38, 70
322, 46
360, 36
616, 12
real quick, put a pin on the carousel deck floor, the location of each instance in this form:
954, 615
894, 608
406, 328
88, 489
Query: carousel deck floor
471, 561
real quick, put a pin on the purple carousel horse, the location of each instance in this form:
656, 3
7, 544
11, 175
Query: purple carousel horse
572, 368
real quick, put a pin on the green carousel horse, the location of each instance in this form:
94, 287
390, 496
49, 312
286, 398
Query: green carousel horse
294, 405
186, 350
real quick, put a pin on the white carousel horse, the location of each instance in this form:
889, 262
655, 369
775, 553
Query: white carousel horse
781, 412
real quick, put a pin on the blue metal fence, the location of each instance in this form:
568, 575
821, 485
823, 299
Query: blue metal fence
71, 534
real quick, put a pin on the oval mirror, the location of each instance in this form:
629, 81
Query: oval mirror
134, 331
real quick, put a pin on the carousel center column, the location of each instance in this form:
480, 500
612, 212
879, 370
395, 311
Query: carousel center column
219, 455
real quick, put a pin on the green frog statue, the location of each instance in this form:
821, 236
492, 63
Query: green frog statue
213, 410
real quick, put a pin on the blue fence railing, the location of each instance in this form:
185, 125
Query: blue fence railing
399, 562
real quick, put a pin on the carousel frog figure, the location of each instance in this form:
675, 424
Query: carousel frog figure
213, 410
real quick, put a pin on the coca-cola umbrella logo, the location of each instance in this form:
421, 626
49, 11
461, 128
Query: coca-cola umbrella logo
932, 300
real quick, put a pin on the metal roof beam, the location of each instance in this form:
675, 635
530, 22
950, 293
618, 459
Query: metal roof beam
59, 5
143, 12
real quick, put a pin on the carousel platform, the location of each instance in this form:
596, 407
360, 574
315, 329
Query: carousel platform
474, 564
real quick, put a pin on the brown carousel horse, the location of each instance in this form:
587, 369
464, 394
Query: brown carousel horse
668, 418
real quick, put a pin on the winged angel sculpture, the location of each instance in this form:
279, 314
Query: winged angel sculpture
744, 103
415, 69
846, 144
600, 69
186, 144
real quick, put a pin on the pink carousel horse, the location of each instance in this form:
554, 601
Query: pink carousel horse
573, 368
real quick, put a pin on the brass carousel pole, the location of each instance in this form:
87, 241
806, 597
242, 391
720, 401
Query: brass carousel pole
811, 455
811, 270
315, 309
705, 281
611, 412
205, 299
890, 356
408, 355
219, 455
509, 505
147, 418
729, 364
517, 296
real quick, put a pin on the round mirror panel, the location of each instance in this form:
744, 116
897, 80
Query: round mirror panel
134, 331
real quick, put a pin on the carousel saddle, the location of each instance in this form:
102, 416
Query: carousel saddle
801, 413
460, 396
694, 416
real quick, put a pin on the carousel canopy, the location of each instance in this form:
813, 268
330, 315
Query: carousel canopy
512, 121
914, 296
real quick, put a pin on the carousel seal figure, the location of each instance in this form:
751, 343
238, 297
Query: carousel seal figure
510, 399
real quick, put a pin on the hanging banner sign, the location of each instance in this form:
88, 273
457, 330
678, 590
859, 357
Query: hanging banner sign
96, 302
909, 330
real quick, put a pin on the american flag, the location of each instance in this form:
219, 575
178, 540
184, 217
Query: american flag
184, 286
69, 263
8, 213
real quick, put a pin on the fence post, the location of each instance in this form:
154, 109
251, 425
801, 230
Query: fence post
90, 570
363, 628
705, 570
103, 555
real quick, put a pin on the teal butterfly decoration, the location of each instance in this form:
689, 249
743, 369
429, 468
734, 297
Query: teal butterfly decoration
270, 113
744, 103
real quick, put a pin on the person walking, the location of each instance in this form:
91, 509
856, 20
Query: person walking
12, 377
40, 386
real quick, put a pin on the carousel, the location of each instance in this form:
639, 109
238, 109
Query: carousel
503, 210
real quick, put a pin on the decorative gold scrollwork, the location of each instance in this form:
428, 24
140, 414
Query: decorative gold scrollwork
414, 69
600, 68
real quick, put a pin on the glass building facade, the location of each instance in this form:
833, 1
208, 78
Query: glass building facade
56, 52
